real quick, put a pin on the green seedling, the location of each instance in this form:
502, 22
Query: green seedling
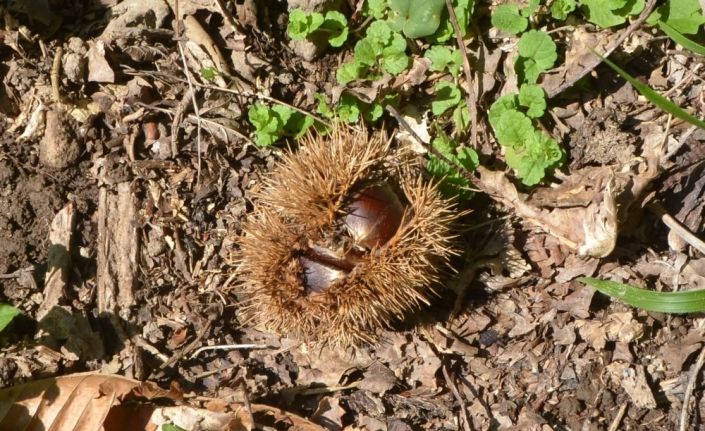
691, 301
415, 18
537, 54
560, 9
508, 18
302, 25
684, 16
271, 124
444, 58
7, 314
452, 183
529, 151
380, 50
609, 13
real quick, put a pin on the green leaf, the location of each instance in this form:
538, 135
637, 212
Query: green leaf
680, 39
263, 119
685, 16
447, 96
532, 7
171, 427
539, 153
507, 18
366, 52
375, 8
7, 313
301, 24
655, 97
537, 53
452, 182
440, 56
378, 34
323, 108
416, 18
461, 116
350, 71
394, 59
513, 129
533, 98
690, 301
608, 13
560, 9
506, 103
336, 23
209, 73
348, 109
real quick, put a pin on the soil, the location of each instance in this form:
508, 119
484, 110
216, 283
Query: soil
148, 289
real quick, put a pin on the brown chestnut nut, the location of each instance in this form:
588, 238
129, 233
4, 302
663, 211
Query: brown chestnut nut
374, 216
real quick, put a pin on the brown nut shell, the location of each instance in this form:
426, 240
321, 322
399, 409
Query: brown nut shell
294, 283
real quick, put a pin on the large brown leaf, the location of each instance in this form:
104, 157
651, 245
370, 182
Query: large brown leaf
97, 402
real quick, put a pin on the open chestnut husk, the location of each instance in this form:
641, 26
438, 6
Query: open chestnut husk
346, 237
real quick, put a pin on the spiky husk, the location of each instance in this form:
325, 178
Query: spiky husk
301, 200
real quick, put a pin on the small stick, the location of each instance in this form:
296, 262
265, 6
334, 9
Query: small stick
677, 227
229, 347
55, 78
614, 45
469, 91
689, 389
614, 426
459, 399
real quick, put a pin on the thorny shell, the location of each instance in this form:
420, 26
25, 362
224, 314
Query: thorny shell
307, 268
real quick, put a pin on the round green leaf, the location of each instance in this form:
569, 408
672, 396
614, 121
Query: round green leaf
507, 18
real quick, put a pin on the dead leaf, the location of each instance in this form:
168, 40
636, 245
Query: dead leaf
329, 414
633, 381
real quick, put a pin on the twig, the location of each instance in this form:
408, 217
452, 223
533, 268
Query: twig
469, 91
614, 45
689, 389
458, 398
614, 426
677, 227
187, 72
55, 75
265, 97
460, 168
229, 347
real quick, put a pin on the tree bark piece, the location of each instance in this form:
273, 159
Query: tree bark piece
118, 247
58, 260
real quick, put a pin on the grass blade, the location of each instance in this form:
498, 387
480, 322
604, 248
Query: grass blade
654, 97
690, 301
680, 39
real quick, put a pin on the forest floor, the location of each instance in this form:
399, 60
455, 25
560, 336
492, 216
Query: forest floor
129, 168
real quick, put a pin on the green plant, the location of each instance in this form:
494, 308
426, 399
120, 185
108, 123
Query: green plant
680, 39
507, 17
529, 151
273, 123
380, 50
691, 301
415, 18
452, 183
536, 54
684, 16
560, 9
444, 58
303, 24
7, 313
608, 13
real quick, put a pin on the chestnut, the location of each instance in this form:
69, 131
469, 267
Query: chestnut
345, 237
374, 216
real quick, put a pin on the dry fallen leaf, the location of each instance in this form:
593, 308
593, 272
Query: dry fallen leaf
98, 402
